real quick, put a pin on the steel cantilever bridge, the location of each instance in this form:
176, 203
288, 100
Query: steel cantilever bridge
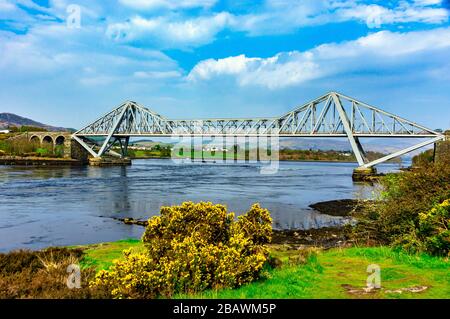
331, 115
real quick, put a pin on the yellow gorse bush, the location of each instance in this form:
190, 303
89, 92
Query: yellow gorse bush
190, 248
434, 228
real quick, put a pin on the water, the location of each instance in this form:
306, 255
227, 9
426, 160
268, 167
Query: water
42, 207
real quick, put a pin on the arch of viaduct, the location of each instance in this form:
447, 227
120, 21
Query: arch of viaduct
54, 139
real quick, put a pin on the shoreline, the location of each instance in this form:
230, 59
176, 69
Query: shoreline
38, 161
48, 161
324, 237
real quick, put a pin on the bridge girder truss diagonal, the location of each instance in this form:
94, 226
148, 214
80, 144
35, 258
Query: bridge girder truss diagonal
331, 115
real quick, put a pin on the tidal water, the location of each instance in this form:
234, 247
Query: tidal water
41, 207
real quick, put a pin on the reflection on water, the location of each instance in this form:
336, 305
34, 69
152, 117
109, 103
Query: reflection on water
40, 207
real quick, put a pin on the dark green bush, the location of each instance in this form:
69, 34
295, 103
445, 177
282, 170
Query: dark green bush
395, 218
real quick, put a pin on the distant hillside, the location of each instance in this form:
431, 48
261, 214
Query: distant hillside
378, 145
9, 119
323, 144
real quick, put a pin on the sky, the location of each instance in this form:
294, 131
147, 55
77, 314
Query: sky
67, 62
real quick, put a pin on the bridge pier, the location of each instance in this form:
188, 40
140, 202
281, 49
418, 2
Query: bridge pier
364, 174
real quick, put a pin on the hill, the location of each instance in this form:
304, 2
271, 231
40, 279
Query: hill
10, 119
378, 145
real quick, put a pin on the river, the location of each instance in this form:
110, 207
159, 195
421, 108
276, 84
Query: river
42, 207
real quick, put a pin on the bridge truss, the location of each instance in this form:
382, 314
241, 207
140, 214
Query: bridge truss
331, 115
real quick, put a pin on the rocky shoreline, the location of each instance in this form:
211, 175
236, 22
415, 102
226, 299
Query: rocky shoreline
325, 237
339, 207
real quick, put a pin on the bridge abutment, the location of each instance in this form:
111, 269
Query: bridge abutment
78, 152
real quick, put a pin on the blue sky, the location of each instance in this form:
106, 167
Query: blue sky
212, 58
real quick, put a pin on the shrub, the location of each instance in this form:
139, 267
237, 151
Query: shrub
17, 146
43, 274
190, 248
423, 158
434, 228
397, 218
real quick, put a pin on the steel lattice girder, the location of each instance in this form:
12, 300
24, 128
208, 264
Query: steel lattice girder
331, 115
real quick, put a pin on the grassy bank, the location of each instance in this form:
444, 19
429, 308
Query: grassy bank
334, 273
100, 256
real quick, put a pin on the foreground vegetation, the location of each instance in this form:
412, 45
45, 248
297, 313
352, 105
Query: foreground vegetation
315, 273
413, 212
307, 273
341, 273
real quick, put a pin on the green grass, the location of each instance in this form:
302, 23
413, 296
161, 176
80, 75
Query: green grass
42, 151
146, 154
335, 273
341, 273
101, 256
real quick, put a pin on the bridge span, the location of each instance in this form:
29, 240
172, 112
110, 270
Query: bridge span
332, 115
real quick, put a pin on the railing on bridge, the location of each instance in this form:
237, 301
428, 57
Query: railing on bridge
331, 115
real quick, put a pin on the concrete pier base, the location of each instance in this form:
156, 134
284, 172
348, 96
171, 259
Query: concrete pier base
109, 161
364, 174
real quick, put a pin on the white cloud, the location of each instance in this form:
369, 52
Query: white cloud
167, 4
279, 16
427, 2
57, 51
207, 69
5, 5
374, 52
163, 32
375, 15
157, 74
273, 17
283, 69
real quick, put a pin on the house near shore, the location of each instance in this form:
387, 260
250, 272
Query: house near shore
4, 130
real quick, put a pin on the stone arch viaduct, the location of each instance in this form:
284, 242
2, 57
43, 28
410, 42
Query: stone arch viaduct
71, 148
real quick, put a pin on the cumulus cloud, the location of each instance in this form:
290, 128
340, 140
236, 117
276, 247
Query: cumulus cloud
281, 70
57, 51
376, 15
166, 33
374, 52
